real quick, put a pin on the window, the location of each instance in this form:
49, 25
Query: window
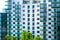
28, 23
49, 36
13, 26
33, 28
23, 26
28, 31
23, 14
13, 34
33, 6
37, 27
44, 31
50, 0
44, 23
33, 32
54, 27
13, 30
13, 22
18, 23
28, 11
49, 5
38, 10
23, 10
23, 6
49, 23
23, 18
13, 18
49, 18
55, 23
28, 27
28, 15
49, 14
37, 31
28, 7
37, 14
13, 2
23, 22
50, 32
55, 32
49, 27
37, 18
38, 5
13, 6
54, 18
17, 18
33, 23
49, 9
37, 22
33, 15
28, 19
33, 11
44, 0
33, 19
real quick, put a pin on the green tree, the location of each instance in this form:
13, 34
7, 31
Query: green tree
26, 36
23, 35
29, 36
38, 38
7, 37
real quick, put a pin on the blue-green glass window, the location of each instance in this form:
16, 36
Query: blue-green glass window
23, 6
38, 18
23, 22
13, 2
49, 9
28, 23
33, 15
33, 11
33, 28
28, 15
33, 23
38, 32
23, 18
44, 0
33, 19
23, 26
28, 27
28, 11
33, 32
23, 14
50, 0
28, 7
28, 19
33, 6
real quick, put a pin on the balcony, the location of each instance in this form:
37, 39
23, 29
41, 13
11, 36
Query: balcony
43, 29
43, 16
42, 20
43, 7
43, 11
26, 1
43, 25
36, 1
56, 5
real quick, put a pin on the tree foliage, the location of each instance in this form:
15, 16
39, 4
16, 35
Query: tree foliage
25, 36
38, 38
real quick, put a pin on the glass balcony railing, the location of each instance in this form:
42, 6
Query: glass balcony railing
42, 20
43, 7
26, 2
43, 29
43, 25
43, 11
